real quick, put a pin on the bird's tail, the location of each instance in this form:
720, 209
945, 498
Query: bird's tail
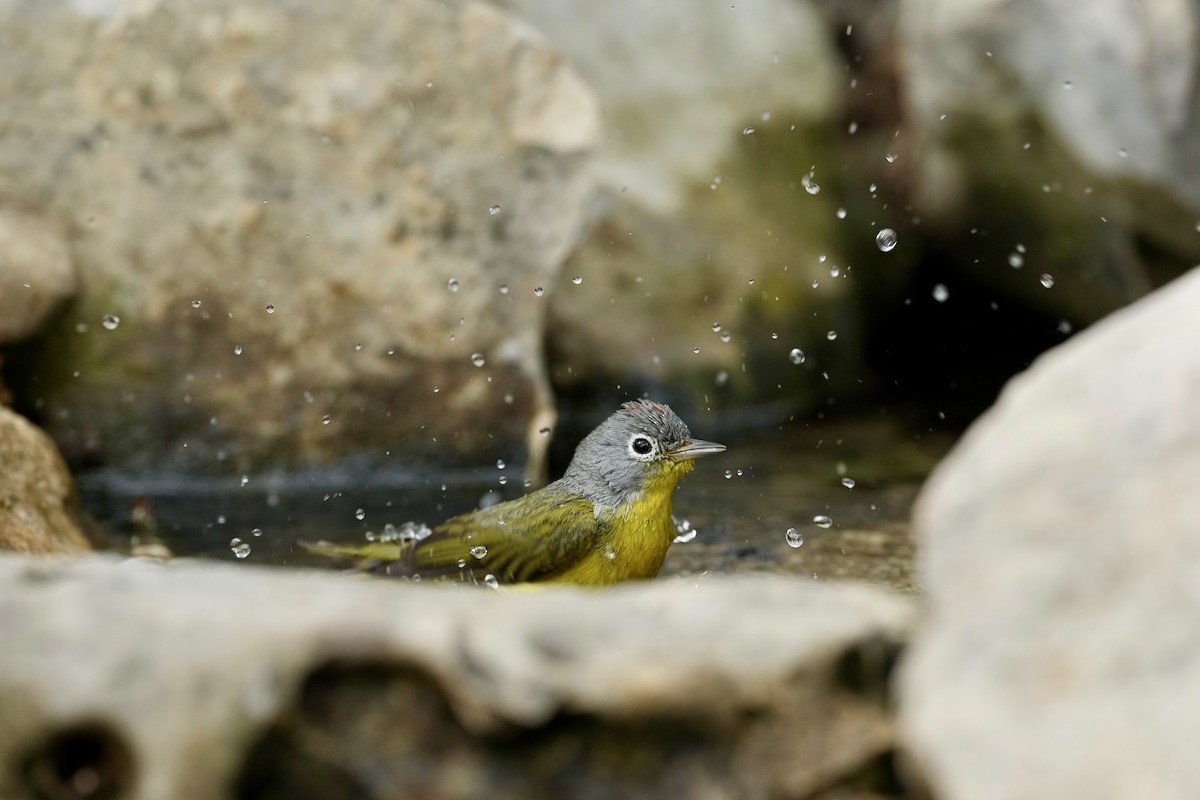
371, 553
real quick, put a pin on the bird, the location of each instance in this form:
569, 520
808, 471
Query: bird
605, 521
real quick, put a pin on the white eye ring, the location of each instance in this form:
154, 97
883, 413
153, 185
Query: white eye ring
642, 447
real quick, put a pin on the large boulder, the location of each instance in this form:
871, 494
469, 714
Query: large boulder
204, 681
340, 211
39, 512
711, 256
1059, 548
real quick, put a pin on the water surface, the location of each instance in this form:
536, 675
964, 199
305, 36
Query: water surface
861, 474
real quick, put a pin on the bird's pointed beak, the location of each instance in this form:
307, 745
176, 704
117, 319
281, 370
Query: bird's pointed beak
694, 448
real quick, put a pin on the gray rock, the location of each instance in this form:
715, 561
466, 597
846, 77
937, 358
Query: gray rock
1074, 138
328, 209
717, 121
188, 679
1059, 547
36, 274
38, 509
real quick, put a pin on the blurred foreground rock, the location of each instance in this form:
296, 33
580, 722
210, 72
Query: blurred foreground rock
342, 212
207, 681
38, 509
1059, 547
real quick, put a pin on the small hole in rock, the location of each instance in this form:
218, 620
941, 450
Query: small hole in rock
89, 761
866, 668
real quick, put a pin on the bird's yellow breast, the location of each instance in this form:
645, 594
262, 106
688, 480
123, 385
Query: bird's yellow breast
636, 537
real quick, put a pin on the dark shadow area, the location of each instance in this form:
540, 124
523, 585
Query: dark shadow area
88, 761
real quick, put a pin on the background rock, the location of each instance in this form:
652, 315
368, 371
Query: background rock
38, 509
36, 274
329, 223
204, 677
1059, 547
1087, 127
707, 241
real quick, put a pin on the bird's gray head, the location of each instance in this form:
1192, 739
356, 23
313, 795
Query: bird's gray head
643, 439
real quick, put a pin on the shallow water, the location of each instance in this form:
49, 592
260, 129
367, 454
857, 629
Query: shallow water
741, 502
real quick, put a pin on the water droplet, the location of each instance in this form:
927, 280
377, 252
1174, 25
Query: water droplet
696, 350
885, 240
1067, 84
722, 378
940, 292
848, 483
479, 551
494, 210
452, 284
796, 356
1016, 260
239, 548
841, 213
747, 131
325, 420
110, 322
728, 474
490, 581
822, 521
578, 279
500, 463
810, 186
716, 327
195, 304
793, 537
270, 308
245, 480
684, 532
503, 480
359, 514
1064, 327
237, 349
538, 292
477, 359
831, 335
1046, 280
256, 532
891, 158
504, 288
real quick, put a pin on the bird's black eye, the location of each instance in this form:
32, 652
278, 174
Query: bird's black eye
642, 446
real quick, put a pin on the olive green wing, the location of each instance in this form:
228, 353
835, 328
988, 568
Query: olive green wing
529, 539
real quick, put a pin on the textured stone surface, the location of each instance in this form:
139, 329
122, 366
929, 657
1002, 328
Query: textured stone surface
1059, 546
207, 677
36, 274
1073, 137
717, 119
275, 201
38, 510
